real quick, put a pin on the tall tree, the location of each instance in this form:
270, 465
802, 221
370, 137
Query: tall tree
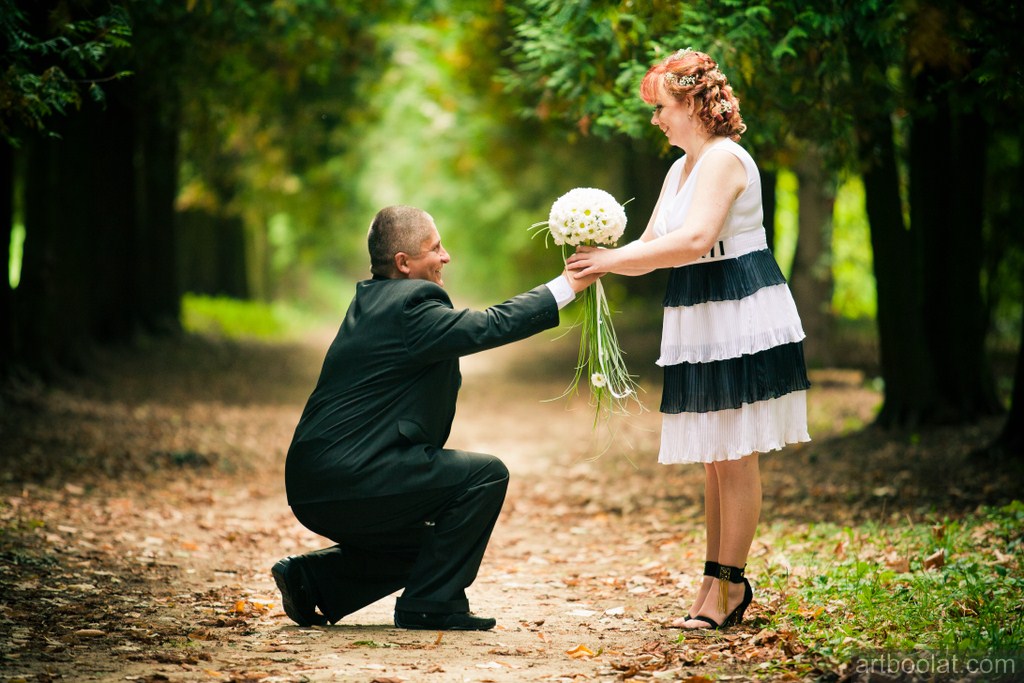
872, 39
811, 275
947, 162
56, 62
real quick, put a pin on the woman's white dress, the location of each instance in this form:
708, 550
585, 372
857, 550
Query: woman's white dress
732, 342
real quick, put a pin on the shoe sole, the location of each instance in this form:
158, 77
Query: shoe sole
289, 607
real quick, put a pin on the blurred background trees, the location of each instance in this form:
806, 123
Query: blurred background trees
161, 149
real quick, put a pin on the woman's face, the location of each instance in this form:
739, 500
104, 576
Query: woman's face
672, 116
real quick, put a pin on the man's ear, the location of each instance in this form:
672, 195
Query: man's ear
402, 263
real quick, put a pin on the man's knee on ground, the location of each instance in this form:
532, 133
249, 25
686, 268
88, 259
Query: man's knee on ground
487, 469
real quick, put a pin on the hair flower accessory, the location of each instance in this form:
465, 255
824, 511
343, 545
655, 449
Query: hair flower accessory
681, 81
725, 107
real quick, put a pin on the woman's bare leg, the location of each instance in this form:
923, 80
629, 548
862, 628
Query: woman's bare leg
739, 493
713, 523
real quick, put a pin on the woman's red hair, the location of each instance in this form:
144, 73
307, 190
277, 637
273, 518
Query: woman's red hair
688, 74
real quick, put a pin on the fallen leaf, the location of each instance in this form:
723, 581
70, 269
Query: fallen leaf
812, 613
900, 565
489, 665
90, 632
580, 651
936, 560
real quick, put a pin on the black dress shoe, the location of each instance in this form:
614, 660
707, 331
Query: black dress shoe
296, 595
453, 621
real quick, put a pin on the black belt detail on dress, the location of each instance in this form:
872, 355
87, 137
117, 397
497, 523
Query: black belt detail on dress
723, 280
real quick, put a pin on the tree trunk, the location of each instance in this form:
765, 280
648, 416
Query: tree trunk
769, 181
107, 175
644, 176
947, 166
904, 355
80, 248
6, 228
211, 254
1010, 442
158, 300
811, 276
52, 307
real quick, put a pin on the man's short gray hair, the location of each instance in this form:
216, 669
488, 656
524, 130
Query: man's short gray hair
395, 229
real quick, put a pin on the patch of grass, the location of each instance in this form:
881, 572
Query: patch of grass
372, 643
237, 319
941, 587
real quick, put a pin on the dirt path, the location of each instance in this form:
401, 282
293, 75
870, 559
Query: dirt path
143, 507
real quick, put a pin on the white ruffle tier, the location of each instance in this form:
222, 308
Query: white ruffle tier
732, 434
718, 330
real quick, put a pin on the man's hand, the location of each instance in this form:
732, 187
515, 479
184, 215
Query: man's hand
578, 283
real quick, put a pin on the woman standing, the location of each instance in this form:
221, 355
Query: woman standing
732, 351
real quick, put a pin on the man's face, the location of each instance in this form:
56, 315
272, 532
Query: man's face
427, 264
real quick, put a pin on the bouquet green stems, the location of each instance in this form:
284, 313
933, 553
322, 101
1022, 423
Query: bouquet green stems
588, 216
612, 389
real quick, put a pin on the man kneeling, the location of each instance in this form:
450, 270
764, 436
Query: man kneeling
367, 467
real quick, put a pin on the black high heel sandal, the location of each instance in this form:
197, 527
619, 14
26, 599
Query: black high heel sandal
725, 576
710, 569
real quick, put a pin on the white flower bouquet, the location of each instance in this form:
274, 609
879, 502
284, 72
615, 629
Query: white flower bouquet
590, 216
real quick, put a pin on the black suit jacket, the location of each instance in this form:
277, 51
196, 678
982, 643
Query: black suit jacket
380, 414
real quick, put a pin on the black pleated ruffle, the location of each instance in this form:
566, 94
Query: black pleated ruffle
724, 280
728, 384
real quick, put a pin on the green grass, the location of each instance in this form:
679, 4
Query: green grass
864, 591
238, 319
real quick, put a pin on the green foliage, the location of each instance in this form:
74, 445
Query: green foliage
269, 103
16, 252
431, 140
854, 295
49, 65
950, 586
582, 62
786, 220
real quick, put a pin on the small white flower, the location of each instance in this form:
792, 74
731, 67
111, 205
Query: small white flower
598, 380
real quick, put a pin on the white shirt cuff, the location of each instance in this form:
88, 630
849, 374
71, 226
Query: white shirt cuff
562, 291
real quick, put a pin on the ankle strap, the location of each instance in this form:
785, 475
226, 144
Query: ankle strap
711, 568
731, 574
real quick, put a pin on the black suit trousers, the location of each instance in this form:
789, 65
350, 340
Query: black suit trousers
428, 542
